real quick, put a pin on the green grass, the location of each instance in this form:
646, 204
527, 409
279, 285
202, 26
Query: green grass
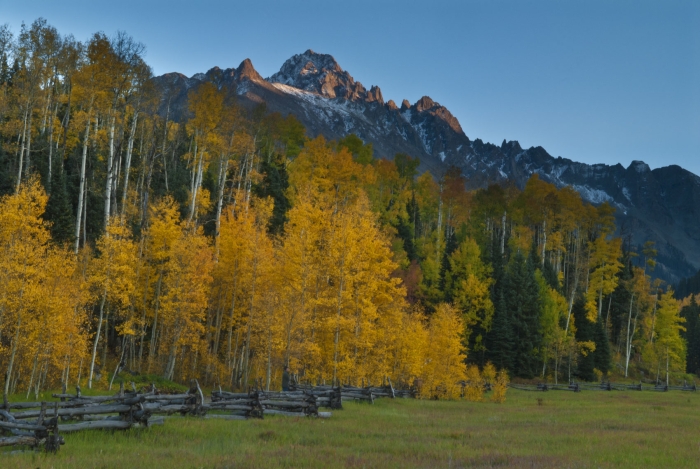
589, 429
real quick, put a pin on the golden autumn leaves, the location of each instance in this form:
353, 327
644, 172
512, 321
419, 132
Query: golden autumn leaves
321, 298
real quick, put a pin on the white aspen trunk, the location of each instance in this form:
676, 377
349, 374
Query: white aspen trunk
503, 234
51, 127
127, 168
82, 185
223, 168
195, 188
193, 177
110, 169
165, 140
544, 239
653, 318
97, 338
28, 150
628, 346
571, 301
21, 150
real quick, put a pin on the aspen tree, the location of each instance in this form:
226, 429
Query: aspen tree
206, 106
186, 288
444, 360
112, 279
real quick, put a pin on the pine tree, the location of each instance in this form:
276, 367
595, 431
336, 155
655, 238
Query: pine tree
499, 340
691, 314
522, 299
550, 275
405, 230
59, 211
451, 245
274, 184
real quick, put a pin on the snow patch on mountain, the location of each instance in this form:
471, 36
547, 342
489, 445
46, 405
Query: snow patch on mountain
424, 135
626, 193
595, 196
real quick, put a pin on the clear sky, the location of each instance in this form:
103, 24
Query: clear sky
595, 81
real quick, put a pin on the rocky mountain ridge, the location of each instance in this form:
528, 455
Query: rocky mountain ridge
660, 205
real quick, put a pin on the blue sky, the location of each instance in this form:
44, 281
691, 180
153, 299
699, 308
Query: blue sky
594, 81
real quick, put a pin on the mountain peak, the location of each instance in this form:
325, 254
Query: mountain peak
311, 71
426, 104
246, 70
321, 74
639, 166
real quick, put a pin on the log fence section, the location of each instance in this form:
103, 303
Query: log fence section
602, 386
39, 424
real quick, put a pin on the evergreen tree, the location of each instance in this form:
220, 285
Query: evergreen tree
499, 340
691, 335
522, 300
619, 302
405, 232
274, 184
445, 267
550, 275
4, 70
59, 211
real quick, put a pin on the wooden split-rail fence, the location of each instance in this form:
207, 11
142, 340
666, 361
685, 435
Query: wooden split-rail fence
602, 386
40, 424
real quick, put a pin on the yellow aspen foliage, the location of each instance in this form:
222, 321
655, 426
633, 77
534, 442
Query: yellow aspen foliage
185, 297
112, 282
668, 327
409, 349
605, 265
488, 373
499, 387
41, 297
474, 384
444, 364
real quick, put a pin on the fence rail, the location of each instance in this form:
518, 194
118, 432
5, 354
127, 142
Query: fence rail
39, 425
602, 386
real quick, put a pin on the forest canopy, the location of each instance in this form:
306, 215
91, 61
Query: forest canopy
228, 245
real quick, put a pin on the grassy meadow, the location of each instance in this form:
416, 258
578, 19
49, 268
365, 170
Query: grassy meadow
543, 430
